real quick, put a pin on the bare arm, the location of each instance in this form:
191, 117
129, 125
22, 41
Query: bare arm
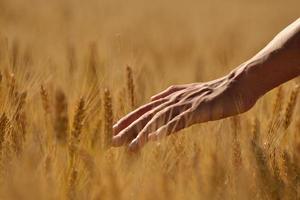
184, 105
277, 63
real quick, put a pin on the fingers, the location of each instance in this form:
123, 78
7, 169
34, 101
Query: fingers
132, 130
160, 119
199, 112
181, 121
131, 117
197, 93
167, 92
165, 115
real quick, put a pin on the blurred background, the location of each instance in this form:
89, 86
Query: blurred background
56, 58
182, 41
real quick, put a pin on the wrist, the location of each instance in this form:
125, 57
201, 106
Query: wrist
244, 85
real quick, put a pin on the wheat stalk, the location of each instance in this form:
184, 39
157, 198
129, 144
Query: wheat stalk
78, 120
20, 115
236, 146
285, 121
130, 86
72, 184
45, 99
71, 56
289, 110
96, 137
290, 175
274, 122
11, 84
61, 122
15, 51
108, 118
93, 61
27, 59
3, 129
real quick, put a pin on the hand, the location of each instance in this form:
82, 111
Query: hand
179, 107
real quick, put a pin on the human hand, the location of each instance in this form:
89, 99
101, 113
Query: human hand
179, 107
184, 105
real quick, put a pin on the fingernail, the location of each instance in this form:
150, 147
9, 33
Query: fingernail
115, 141
133, 142
133, 146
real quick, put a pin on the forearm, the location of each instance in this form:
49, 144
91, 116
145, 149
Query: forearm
277, 63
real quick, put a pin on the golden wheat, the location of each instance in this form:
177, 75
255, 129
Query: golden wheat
45, 99
130, 86
55, 145
78, 120
61, 124
289, 110
108, 118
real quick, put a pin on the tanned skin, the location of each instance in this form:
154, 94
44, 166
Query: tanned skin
181, 106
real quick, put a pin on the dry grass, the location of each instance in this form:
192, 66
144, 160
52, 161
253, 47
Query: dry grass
57, 61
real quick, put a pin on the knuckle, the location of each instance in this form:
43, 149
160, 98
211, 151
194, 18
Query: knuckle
178, 96
165, 99
158, 116
207, 89
197, 104
173, 108
170, 108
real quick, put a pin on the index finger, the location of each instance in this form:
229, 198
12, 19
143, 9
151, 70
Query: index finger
167, 92
134, 115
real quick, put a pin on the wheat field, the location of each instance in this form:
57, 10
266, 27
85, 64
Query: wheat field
71, 68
